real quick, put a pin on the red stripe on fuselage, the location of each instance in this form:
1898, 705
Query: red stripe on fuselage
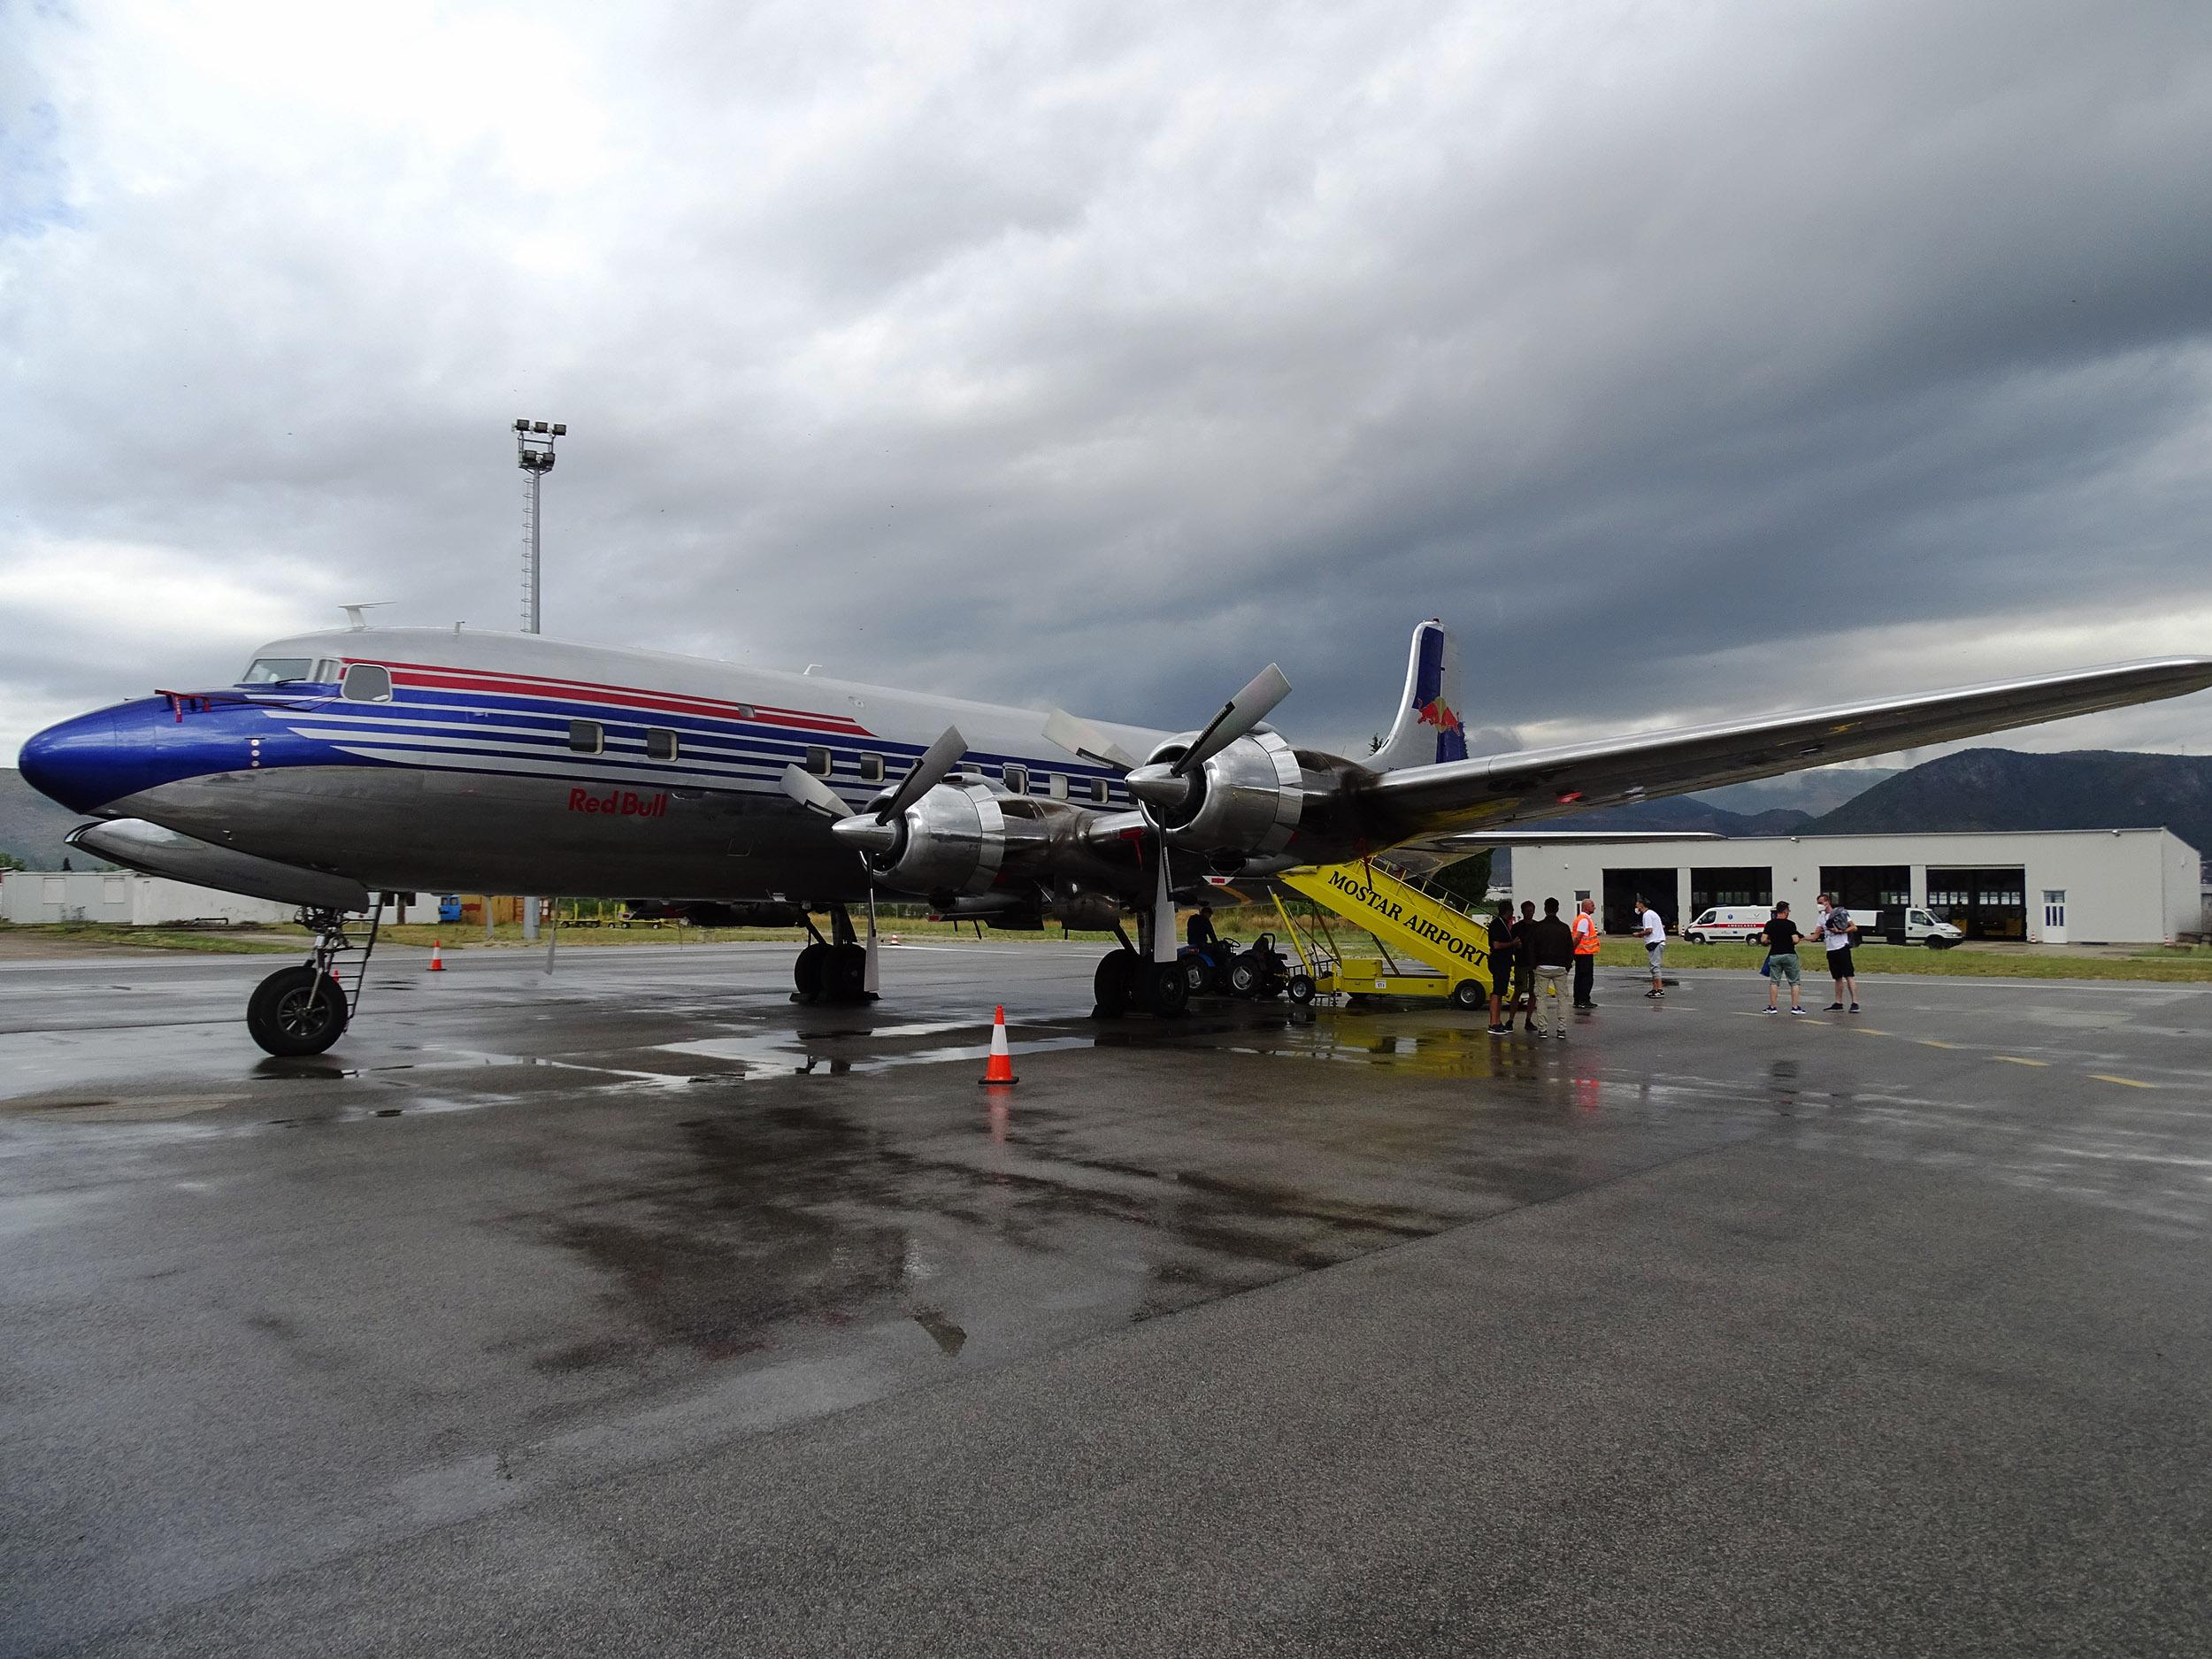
436, 677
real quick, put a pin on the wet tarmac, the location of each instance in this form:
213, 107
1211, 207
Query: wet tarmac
638, 1310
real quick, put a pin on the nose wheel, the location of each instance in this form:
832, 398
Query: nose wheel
305, 1009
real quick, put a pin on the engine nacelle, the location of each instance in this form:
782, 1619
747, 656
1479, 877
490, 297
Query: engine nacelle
952, 840
1244, 800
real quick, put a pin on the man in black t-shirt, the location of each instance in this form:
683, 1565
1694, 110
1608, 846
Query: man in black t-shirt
1781, 964
1524, 964
1501, 955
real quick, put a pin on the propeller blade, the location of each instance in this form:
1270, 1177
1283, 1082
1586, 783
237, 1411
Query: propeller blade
938, 759
812, 793
1081, 737
1237, 716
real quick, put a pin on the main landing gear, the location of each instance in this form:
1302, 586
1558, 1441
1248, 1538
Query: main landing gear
1128, 977
304, 1009
833, 970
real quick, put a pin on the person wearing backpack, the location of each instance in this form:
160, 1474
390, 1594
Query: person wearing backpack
1836, 931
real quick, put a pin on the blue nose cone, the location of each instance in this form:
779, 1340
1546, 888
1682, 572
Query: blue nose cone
78, 762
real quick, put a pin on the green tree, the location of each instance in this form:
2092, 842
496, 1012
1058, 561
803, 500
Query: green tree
1468, 880
9, 861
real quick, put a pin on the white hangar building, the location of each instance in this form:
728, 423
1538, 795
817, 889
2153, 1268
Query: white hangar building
2101, 887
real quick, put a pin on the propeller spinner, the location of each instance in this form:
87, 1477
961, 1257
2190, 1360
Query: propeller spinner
1166, 786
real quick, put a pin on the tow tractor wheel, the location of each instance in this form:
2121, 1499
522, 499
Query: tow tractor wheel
809, 974
1244, 976
1299, 987
845, 975
289, 1014
1195, 975
1469, 994
1114, 983
1167, 991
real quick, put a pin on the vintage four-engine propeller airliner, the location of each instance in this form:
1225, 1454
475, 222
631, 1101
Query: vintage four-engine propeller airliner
363, 761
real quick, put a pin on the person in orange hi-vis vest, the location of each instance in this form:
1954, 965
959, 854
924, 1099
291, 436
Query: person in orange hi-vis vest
1586, 942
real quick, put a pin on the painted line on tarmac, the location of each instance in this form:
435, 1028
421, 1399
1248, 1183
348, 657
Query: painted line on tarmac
2126, 1082
2013, 1059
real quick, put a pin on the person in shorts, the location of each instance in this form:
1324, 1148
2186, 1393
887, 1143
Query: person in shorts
1782, 963
1652, 927
1836, 929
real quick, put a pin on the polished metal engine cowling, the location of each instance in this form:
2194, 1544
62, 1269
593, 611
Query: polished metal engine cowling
1246, 799
953, 840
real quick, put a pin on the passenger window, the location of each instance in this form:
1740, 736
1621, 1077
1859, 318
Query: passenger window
367, 682
746, 712
1058, 788
660, 744
586, 737
1016, 778
871, 769
1098, 790
818, 762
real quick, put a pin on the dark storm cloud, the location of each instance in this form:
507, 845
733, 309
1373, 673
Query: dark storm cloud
1781, 356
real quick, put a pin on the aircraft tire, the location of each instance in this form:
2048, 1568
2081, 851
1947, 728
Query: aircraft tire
809, 974
1166, 991
847, 974
288, 1015
1114, 983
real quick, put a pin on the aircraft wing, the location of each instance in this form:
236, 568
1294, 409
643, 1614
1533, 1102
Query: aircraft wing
1491, 791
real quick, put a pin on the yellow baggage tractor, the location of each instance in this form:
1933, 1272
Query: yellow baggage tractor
1431, 946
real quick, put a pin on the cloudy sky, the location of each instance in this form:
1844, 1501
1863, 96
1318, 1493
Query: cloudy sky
1690, 359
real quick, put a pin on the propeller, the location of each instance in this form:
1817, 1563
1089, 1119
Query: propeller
1167, 785
937, 760
1237, 716
812, 794
878, 832
1081, 737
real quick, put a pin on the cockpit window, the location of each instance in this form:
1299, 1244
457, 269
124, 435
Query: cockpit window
272, 671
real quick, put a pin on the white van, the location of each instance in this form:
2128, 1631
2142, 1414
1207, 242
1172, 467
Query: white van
1728, 922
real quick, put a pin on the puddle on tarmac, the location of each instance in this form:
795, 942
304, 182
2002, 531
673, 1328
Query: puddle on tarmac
786, 1054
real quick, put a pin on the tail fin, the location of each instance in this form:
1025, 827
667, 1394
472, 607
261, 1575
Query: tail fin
1428, 728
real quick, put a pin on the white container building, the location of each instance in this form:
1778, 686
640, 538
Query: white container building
129, 899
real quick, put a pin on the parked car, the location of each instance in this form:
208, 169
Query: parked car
1728, 922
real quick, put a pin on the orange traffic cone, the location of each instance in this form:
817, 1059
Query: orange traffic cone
1000, 1067
437, 958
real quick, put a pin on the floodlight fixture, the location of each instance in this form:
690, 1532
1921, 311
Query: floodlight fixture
522, 426
559, 431
539, 426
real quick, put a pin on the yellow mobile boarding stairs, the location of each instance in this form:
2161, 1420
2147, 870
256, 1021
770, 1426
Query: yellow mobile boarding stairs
1431, 945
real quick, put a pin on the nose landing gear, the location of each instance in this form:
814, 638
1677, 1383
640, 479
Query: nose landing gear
304, 1009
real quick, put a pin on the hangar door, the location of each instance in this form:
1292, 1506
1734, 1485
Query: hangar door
1750, 884
1987, 903
1623, 888
1869, 886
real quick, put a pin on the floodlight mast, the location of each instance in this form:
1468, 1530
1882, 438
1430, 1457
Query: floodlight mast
534, 453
